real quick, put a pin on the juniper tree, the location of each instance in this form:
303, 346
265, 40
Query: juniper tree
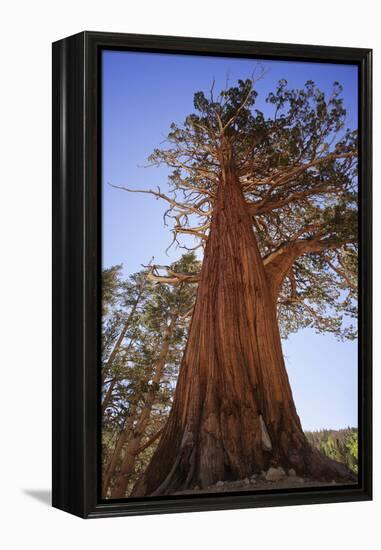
272, 202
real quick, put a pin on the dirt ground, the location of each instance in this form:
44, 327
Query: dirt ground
263, 485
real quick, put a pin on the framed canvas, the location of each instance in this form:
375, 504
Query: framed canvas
212, 274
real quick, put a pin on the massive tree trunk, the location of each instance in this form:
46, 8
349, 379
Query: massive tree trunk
233, 412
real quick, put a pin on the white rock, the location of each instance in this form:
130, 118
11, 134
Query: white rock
219, 484
253, 481
246, 481
291, 472
275, 474
266, 441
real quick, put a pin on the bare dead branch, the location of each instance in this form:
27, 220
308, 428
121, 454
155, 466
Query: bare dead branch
172, 277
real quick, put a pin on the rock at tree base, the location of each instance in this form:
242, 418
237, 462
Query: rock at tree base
275, 474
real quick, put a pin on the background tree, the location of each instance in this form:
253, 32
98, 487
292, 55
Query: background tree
121, 302
143, 371
273, 203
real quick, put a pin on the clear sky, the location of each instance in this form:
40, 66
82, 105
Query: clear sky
142, 95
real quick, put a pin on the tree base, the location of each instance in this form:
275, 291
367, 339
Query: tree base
323, 468
310, 464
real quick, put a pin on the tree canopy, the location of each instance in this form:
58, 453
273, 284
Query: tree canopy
298, 172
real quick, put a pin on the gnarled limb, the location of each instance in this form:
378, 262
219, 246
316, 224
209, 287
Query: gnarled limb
183, 207
278, 263
172, 277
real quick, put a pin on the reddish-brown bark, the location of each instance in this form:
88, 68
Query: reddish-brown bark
233, 412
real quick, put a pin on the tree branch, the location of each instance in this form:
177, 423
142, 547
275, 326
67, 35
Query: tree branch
278, 263
187, 208
268, 203
148, 443
265, 206
172, 277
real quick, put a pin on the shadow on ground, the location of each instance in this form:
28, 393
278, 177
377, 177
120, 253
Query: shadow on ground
42, 495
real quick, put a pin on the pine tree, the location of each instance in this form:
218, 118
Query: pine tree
139, 380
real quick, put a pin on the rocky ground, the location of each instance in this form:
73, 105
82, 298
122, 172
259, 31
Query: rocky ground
273, 479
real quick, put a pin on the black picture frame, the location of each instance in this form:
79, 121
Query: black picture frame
76, 270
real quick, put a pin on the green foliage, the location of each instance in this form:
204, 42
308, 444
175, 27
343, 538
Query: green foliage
340, 445
110, 287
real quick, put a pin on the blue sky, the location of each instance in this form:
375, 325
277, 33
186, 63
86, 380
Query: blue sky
142, 95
